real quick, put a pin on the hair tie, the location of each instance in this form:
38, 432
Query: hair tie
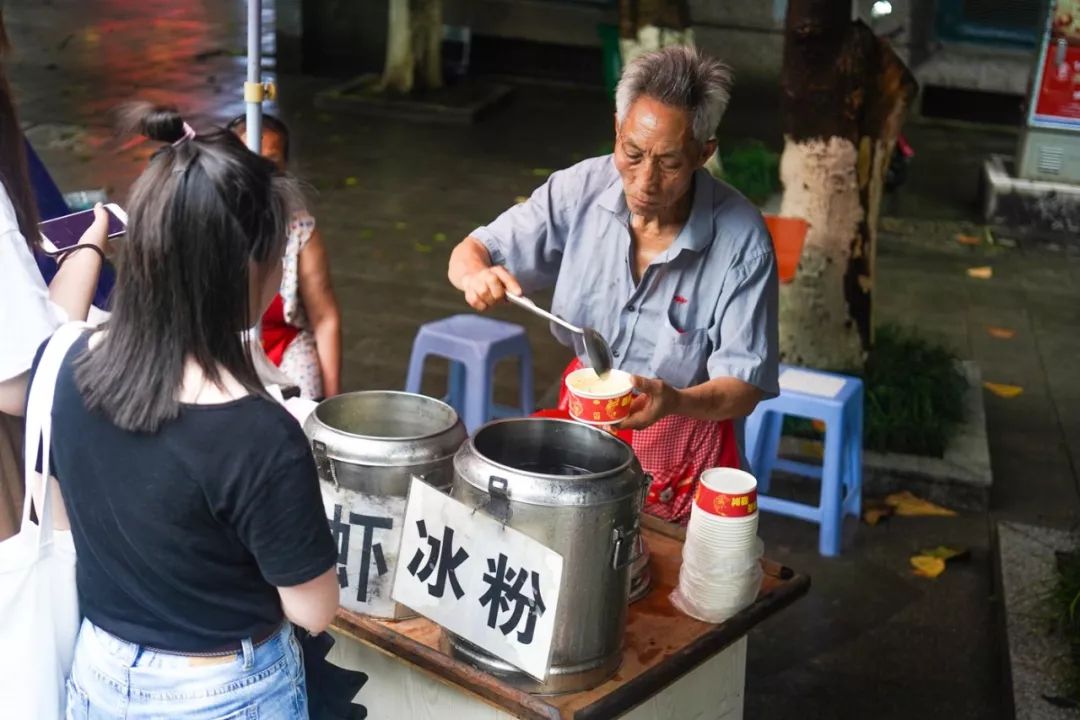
189, 134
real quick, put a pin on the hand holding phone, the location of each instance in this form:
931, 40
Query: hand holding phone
88, 226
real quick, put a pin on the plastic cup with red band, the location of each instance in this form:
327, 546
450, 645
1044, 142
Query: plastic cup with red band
727, 492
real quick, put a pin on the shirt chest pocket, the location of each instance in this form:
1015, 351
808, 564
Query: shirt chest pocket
680, 357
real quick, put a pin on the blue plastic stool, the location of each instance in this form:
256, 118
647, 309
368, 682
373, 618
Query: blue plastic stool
474, 345
809, 394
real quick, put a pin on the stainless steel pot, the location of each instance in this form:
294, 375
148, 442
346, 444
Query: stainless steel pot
373, 444
579, 491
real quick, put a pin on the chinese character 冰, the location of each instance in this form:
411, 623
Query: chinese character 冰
505, 587
370, 549
442, 560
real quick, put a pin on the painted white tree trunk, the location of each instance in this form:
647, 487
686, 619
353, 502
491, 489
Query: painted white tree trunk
821, 185
413, 45
651, 37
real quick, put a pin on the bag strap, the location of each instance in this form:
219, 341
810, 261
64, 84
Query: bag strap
39, 425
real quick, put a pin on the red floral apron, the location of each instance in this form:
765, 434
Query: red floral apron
674, 451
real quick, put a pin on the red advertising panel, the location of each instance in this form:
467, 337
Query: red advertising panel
1057, 99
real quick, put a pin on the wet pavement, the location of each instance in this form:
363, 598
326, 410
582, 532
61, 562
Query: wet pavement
871, 640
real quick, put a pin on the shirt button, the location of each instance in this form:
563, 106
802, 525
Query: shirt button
630, 308
615, 353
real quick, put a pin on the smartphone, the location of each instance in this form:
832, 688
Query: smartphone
65, 231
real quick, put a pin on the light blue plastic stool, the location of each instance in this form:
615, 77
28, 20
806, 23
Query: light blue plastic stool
841, 470
474, 345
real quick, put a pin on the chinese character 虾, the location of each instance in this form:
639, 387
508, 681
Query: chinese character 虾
342, 531
505, 588
442, 559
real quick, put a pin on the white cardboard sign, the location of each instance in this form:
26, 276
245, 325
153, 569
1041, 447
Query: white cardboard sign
367, 531
481, 580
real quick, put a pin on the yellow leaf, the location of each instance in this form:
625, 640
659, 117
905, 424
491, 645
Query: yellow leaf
873, 515
541, 172
520, 199
945, 552
907, 504
984, 272
351, 182
967, 239
439, 237
399, 225
1001, 333
422, 248
926, 566
1002, 390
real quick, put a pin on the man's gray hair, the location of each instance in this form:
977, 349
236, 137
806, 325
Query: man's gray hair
681, 77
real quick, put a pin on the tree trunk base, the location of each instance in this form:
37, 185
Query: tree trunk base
821, 185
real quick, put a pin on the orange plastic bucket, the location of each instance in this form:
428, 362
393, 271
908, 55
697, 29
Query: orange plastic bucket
788, 235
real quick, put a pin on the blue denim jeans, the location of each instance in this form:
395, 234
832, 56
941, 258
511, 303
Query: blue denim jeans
112, 679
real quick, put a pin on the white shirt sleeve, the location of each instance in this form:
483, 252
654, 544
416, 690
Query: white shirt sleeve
27, 316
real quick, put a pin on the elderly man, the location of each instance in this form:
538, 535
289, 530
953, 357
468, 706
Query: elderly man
674, 268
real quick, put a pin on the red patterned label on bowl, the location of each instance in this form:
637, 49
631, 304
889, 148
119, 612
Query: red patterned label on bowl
726, 505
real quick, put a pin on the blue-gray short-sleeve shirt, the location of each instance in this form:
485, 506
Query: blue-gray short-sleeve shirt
705, 308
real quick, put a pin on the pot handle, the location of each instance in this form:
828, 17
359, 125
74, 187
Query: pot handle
323, 463
498, 504
645, 490
625, 541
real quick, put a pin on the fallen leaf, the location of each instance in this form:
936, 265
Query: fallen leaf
439, 237
907, 504
351, 182
984, 272
1001, 333
946, 553
399, 225
1002, 390
520, 199
926, 566
422, 248
967, 239
541, 172
876, 513
989, 235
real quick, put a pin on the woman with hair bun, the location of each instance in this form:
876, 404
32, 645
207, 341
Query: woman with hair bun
192, 496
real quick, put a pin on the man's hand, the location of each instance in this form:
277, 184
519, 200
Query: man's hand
656, 400
488, 286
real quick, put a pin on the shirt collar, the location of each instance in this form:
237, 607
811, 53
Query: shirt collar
699, 229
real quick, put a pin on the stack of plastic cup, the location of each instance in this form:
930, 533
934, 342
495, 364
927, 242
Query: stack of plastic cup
721, 571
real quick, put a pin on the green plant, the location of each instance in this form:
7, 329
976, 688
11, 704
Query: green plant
751, 168
914, 395
1063, 601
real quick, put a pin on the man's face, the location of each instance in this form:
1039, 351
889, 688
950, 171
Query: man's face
656, 155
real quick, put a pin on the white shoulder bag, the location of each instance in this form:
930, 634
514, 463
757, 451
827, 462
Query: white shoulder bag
39, 605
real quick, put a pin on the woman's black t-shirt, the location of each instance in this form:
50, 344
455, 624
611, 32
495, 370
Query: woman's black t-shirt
183, 535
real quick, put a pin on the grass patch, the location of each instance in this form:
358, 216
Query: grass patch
1064, 604
914, 395
752, 169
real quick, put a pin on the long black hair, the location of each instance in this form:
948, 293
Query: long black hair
13, 166
203, 210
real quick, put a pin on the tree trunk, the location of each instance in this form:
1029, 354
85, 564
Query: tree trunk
647, 25
845, 95
413, 46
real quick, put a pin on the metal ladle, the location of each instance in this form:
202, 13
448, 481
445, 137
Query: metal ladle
596, 346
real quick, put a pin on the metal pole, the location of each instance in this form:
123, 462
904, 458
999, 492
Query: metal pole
253, 124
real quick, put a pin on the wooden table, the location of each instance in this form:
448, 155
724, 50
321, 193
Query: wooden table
673, 665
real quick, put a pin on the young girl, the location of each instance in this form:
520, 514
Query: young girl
192, 496
301, 331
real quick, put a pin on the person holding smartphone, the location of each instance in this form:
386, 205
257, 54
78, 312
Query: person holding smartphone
192, 496
29, 310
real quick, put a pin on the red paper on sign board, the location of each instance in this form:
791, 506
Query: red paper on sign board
1057, 102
